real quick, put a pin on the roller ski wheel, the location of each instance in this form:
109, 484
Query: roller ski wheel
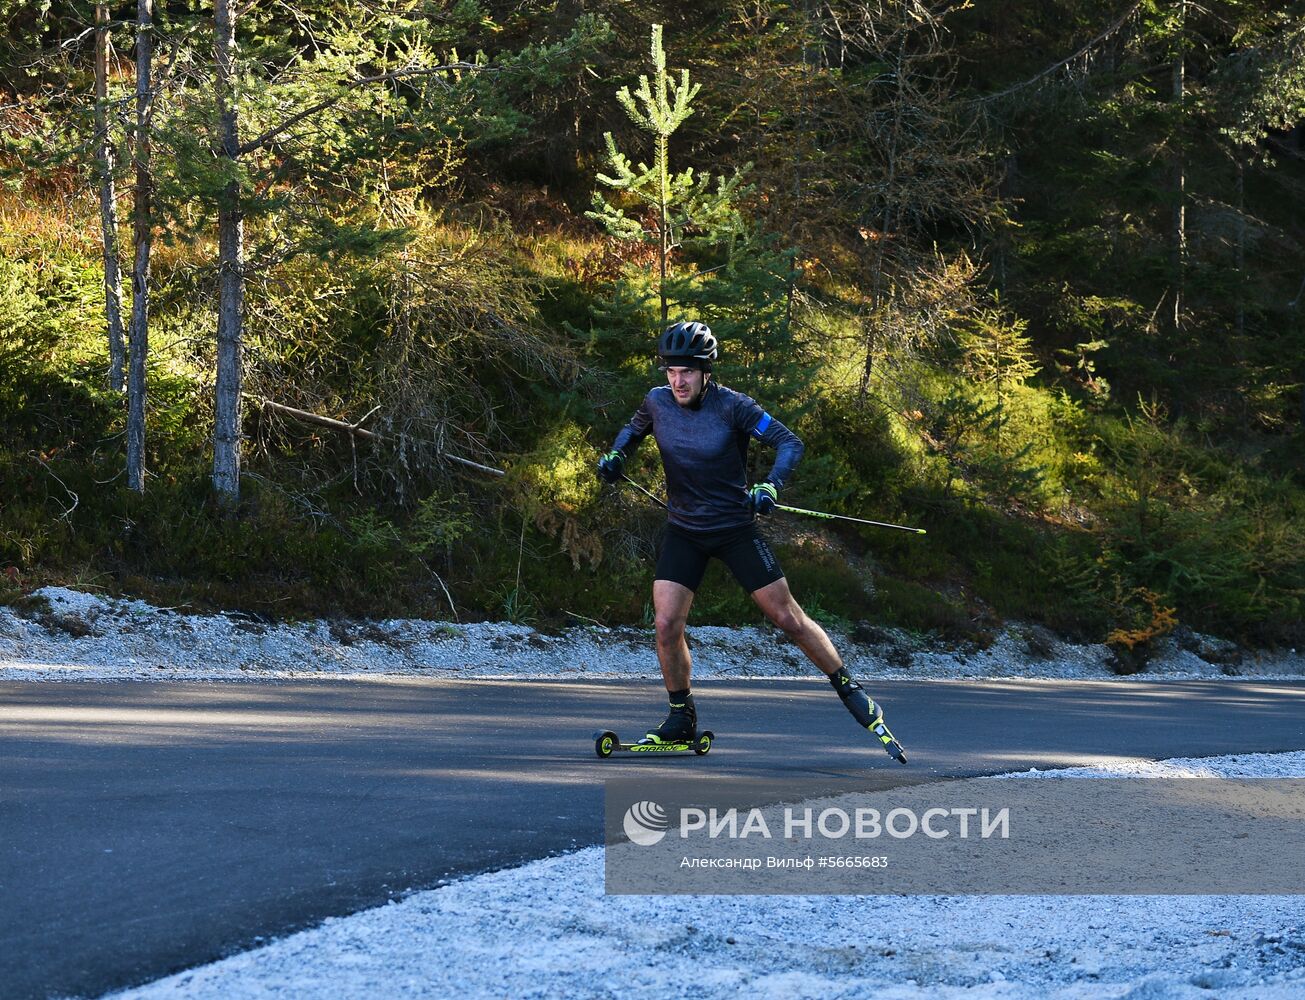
889, 741
607, 743
604, 743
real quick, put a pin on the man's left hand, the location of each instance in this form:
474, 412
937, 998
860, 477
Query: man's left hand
762, 498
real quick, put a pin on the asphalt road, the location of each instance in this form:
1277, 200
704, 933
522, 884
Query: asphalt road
147, 828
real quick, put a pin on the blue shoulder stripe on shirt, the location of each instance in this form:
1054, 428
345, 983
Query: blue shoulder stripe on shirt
762, 424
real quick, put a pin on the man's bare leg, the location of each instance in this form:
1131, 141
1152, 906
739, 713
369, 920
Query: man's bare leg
671, 603
777, 602
780, 607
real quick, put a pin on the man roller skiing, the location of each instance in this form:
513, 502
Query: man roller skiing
702, 430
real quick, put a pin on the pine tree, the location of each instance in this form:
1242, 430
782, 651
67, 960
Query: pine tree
997, 348
336, 129
712, 262
106, 158
143, 217
673, 210
997, 352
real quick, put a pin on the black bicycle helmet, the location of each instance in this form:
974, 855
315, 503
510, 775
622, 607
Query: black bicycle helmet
687, 344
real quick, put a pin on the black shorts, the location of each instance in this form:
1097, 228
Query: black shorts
684, 556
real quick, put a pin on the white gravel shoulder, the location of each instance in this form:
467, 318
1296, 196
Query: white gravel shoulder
62, 634
546, 929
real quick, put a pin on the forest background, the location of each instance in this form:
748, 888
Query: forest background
1027, 274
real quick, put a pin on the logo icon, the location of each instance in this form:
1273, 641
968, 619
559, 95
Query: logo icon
645, 823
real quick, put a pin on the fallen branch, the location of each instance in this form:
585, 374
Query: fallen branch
449, 597
356, 430
314, 418
75, 498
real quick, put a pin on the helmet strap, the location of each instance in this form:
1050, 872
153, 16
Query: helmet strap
706, 381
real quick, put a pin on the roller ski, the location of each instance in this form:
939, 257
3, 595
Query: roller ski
677, 735
866, 712
607, 743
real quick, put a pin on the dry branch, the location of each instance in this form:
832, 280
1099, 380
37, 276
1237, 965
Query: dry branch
358, 431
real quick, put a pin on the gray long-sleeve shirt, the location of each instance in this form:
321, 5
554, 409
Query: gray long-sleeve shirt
704, 451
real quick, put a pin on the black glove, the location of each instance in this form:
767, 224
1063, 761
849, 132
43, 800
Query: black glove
762, 498
610, 467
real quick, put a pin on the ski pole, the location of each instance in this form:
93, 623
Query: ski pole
844, 517
792, 510
648, 493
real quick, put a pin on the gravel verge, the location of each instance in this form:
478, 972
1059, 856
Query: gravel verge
61, 634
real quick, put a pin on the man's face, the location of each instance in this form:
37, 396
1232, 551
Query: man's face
686, 383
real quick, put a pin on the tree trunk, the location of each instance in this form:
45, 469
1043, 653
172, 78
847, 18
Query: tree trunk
664, 196
143, 233
799, 155
1178, 216
877, 293
1241, 245
231, 274
108, 204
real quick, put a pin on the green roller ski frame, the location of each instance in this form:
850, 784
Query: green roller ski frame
607, 743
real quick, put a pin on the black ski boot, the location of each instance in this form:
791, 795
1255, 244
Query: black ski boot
866, 712
681, 725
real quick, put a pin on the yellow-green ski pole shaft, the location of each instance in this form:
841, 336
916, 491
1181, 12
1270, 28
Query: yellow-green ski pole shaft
792, 510
844, 517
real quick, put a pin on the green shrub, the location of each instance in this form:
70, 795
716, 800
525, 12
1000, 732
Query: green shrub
912, 605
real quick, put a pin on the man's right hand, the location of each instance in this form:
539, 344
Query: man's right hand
610, 467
